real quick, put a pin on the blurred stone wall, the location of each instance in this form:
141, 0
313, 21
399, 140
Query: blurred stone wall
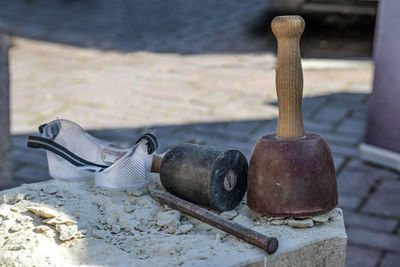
5, 140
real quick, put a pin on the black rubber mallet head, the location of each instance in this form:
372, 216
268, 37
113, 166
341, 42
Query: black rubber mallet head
212, 176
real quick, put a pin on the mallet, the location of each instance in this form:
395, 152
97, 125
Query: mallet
212, 176
291, 173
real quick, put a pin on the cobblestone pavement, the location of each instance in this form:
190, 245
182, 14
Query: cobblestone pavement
225, 99
187, 26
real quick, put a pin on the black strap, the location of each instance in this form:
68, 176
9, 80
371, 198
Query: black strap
40, 142
152, 143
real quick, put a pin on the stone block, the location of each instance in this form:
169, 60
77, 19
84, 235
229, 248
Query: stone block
374, 239
390, 260
349, 151
338, 162
356, 219
330, 114
357, 257
95, 213
33, 174
349, 202
352, 127
353, 183
338, 139
385, 200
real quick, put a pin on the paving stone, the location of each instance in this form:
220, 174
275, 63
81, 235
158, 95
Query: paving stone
354, 183
268, 127
390, 260
34, 174
5, 138
368, 168
348, 98
389, 174
357, 256
359, 115
349, 202
385, 200
330, 114
357, 219
239, 129
343, 150
373, 239
338, 162
188, 22
19, 141
339, 139
29, 156
359, 165
317, 127
311, 105
350, 126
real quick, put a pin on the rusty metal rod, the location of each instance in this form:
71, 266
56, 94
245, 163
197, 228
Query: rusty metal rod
269, 244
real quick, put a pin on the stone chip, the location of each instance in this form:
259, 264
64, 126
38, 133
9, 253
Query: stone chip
101, 234
278, 222
43, 212
47, 231
170, 217
300, 223
320, 218
229, 214
50, 189
59, 220
66, 232
184, 229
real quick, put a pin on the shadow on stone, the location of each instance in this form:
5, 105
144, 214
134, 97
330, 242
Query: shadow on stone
183, 27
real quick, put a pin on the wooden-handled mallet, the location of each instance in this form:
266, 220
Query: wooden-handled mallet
291, 173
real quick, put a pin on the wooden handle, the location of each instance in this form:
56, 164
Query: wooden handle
289, 75
156, 164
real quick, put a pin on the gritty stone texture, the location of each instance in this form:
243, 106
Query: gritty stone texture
5, 139
104, 234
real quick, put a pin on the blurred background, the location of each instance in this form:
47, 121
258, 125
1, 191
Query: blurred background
200, 72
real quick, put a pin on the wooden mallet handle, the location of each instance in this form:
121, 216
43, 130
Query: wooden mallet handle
289, 75
156, 164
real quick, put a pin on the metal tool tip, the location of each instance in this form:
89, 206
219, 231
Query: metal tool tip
272, 245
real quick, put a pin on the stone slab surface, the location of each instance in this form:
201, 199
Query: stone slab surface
62, 223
